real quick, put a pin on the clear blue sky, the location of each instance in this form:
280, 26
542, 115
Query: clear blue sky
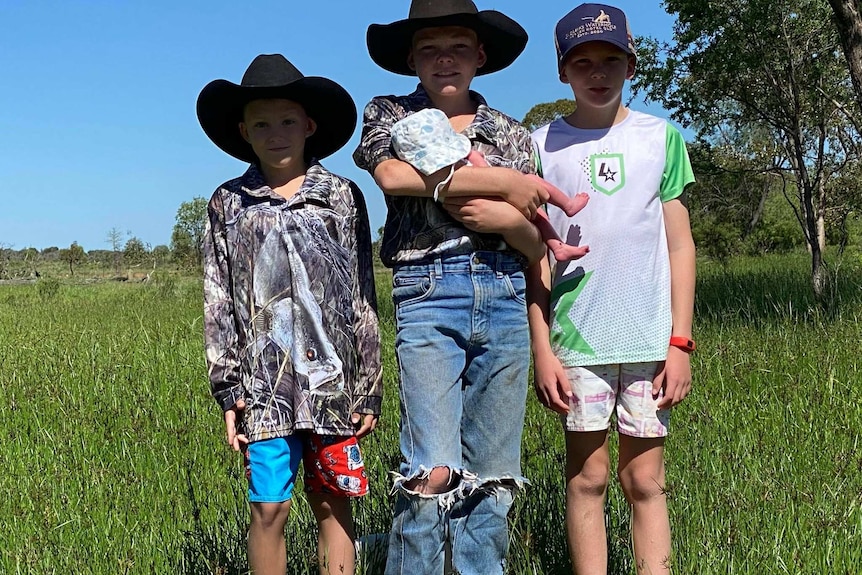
98, 127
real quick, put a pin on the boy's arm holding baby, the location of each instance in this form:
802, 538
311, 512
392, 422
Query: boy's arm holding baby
484, 199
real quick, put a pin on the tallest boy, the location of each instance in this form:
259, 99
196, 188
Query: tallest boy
462, 340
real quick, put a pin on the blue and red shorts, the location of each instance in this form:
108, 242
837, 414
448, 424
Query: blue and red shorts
332, 465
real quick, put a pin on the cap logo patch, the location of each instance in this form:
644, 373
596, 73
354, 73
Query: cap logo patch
594, 25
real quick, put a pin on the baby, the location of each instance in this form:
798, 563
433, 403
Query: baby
427, 141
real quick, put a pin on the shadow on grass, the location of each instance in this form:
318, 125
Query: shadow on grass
219, 547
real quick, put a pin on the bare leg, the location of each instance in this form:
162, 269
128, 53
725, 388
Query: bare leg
641, 472
563, 252
587, 475
266, 551
335, 549
559, 198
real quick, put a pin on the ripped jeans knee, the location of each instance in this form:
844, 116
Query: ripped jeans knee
449, 485
434, 481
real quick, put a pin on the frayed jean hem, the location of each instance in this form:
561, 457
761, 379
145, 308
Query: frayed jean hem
468, 485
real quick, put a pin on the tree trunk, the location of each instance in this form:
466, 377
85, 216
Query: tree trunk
821, 213
818, 273
758, 213
848, 20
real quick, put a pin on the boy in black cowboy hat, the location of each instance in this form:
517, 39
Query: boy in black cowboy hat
290, 318
462, 339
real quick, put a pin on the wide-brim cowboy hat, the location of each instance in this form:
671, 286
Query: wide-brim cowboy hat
221, 103
503, 38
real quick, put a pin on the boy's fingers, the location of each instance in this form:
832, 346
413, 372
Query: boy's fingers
366, 423
561, 403
238, 441
230, 419
658, 382
552, 400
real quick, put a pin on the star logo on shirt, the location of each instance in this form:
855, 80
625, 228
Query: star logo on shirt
607, 173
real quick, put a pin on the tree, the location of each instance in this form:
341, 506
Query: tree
542, 114
188, 234
762, 67
161, 254
135, 251
5, 257
73, 255
115, 240
848, 21
31, 258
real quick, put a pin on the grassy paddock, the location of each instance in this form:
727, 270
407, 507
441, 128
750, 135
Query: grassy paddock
113, 460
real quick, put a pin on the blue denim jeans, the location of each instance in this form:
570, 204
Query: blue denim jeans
462, 344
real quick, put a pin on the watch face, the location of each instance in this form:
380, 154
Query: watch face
683, 343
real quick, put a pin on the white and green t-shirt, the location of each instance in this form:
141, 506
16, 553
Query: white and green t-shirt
613, 304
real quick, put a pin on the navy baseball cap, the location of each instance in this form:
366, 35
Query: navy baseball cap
589, 23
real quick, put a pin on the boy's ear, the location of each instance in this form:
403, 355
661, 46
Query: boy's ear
630, 69
483, 58
243, 130
411, 63
310, 128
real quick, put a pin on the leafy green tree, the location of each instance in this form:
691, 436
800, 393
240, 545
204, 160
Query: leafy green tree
73, 255
769, 67
547, 112
161, 254
188, 233
135, 251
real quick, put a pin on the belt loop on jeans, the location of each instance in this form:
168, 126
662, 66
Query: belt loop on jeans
438, 268
499, 264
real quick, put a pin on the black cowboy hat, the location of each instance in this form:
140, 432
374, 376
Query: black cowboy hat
503, 38
221, 104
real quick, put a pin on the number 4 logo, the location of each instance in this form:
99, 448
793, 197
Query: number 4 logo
608, 173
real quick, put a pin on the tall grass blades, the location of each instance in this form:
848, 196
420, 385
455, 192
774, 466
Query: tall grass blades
114, 458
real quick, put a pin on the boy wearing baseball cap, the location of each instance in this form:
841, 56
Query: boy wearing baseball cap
290, 318
612, 332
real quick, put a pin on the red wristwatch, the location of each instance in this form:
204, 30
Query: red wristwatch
684, 343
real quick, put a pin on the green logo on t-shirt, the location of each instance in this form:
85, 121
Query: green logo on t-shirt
563, 297
608, 172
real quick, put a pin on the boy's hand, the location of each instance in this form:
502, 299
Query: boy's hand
552, 385
526, 194
488, 214
231, 416
674, 376
364, 423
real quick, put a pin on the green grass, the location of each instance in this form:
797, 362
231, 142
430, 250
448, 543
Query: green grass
114, 462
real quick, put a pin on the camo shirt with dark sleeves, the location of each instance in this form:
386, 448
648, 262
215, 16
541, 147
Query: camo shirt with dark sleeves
418, 229
290, 315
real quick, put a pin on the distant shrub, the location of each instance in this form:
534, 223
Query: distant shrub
777, 237
716, 240
48, 288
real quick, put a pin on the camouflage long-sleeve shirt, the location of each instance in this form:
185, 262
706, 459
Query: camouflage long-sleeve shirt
418, 228
290, 319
